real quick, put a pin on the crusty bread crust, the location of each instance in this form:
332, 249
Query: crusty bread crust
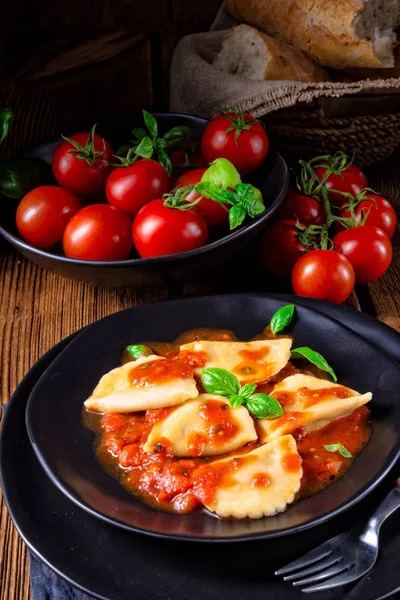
325, 29
282, 61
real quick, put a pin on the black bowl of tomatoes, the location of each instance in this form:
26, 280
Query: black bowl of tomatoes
86, 224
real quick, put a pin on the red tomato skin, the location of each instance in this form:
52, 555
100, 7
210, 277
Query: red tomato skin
306, 209
247, 152
213, 212
159, 230
368, 249
323, 274
130, 188
381, 214
98, 232
43, 214
76, 174
352, 181
281, 248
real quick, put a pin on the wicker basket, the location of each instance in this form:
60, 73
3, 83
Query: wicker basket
327, 128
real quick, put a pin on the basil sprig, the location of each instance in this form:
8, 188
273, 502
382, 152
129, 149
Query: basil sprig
138, 350
339, 448
314, 357
282, 318
147, 143
224, 383
245, 200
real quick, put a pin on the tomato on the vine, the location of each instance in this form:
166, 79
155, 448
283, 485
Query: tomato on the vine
98, 232
238, 137
323, 274
213, 212
159, 230
43, 214
373, 210
304, 208
129, 188
281, 248
82, 163
347, 178
368, 249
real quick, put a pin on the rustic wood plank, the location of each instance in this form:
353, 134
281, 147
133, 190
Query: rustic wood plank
38, 309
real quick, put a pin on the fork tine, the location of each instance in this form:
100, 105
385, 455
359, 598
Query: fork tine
336, 569
319, 566
343, 578
311, 557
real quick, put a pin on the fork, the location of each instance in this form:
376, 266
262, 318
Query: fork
344, 558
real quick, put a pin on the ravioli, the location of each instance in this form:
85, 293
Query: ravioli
251, 362
311, 403
205, 426
258, 484
143, 385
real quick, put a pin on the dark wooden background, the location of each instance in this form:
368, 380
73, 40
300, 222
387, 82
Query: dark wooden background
62, 63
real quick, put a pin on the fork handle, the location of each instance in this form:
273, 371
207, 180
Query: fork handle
389, 505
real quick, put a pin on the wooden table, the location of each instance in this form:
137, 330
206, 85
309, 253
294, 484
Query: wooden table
38, 309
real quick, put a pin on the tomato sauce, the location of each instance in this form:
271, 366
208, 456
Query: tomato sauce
183, 485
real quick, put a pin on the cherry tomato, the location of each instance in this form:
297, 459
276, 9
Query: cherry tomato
213, 212
98, 232
323, 274
159, 230
304, 208
380, 213
367, 248
190, 157
43, 214
351, 180
238, 137
281, 248
78, 167
130, 188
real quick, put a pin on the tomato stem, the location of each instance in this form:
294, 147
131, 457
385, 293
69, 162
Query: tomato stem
238, 122
87, 152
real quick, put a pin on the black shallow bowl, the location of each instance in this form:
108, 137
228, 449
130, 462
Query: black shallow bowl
65, 448
272, 178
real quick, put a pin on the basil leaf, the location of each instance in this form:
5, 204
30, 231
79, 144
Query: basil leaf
237, 215
145, 148
282, 318
160, 144
236, 401
314, 357
6, 115
215, 192
220, 382
257, 202
263, 406
138, 350
151, 124
164, 161
139, 133
178, 138
247, 390
339, 448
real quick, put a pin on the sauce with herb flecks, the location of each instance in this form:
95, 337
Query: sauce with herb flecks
182, 485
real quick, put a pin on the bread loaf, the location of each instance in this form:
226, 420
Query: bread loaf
255, 55
336, 33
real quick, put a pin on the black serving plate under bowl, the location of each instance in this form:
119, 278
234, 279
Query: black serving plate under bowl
55, 406
272, 178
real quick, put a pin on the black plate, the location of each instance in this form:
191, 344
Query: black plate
55, 405
112, 564
272, 178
